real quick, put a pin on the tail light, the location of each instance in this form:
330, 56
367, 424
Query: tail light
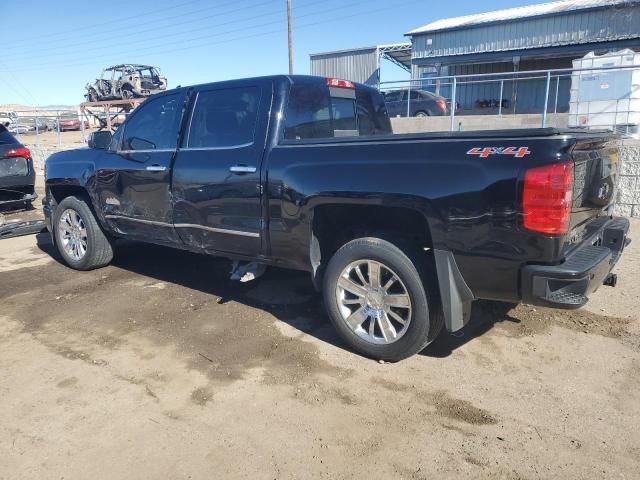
335, 82
547, 197
442, 104
18, 152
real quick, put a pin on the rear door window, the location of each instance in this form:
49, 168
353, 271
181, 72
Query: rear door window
224, 118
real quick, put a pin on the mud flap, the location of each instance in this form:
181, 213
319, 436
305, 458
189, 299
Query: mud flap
455, 294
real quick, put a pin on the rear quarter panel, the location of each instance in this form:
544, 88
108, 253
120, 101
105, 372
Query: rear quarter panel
472, 204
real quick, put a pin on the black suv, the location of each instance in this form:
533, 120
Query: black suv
17, 176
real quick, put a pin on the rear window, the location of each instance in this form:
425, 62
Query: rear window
317, 111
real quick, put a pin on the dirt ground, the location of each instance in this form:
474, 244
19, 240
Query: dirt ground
71, 138
158, 367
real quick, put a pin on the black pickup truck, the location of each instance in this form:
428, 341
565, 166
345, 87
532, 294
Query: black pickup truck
400, 232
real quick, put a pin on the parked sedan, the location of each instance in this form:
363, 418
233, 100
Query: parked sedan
20, 128
17, 176
71, 124
35, 123
421, 103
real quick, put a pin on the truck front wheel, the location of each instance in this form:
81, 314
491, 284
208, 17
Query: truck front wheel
377, 299
78, 237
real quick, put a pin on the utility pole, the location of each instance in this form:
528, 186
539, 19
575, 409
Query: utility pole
290, 39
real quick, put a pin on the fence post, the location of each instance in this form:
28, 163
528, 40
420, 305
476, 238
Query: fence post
37, 130
453, 105
500, 97
409, 100
555, 107
81, 116
58, 127
546, 101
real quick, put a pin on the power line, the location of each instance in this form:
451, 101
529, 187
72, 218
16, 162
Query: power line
154, 49
14, 90
206, 27
107, 34
19, 84
120, 19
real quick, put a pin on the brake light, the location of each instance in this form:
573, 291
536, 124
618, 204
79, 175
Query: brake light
547, 197
18, 152
442, 105
335, 82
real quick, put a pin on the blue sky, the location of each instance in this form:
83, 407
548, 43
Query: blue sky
59, 45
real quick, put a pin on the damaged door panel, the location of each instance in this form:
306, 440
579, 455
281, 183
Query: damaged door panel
133, 180
216, 175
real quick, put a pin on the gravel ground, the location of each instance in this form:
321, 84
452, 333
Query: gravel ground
158, 367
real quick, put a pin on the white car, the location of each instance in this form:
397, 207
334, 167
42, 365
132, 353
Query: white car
20, 128
7, 118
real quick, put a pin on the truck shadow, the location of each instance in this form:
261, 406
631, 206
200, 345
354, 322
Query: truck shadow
485, 315
287, 295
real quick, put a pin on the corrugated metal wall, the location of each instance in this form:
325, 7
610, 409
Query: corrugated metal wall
569, 28
527, 95
357, 65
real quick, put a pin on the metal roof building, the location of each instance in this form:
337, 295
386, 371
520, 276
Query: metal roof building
360, 64
534, 37
563, 27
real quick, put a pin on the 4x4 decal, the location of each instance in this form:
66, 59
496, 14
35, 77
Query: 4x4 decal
484, 152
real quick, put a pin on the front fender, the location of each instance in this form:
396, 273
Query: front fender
71, 170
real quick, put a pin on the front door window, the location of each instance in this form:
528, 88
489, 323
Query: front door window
154, 126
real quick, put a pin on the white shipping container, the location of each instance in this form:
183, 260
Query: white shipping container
606, 99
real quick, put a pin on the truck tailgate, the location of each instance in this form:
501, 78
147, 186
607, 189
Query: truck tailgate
594, 179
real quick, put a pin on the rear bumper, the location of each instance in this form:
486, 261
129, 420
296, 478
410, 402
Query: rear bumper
17, 189
569, 284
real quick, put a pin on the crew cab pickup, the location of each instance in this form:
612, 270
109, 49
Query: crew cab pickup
401, 233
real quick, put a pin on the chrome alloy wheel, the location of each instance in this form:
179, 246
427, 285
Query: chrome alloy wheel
373, 302
72, 234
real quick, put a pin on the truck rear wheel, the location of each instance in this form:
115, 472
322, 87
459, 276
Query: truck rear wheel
377, 300
79, 239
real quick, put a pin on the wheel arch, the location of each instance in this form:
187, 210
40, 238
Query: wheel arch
332, 226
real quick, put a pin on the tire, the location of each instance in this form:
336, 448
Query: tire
423, 317
98, 250
422, 114
93, 96
127, 94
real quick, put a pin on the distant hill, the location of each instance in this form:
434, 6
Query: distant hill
16, 107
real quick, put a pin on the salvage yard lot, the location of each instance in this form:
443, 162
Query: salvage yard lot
158, 367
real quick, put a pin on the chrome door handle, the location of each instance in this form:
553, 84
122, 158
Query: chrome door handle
156, 168
242, 169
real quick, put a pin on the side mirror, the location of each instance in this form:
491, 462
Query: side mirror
100, 140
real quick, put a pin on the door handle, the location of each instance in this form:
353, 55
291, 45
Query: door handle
156, 168
242, 169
